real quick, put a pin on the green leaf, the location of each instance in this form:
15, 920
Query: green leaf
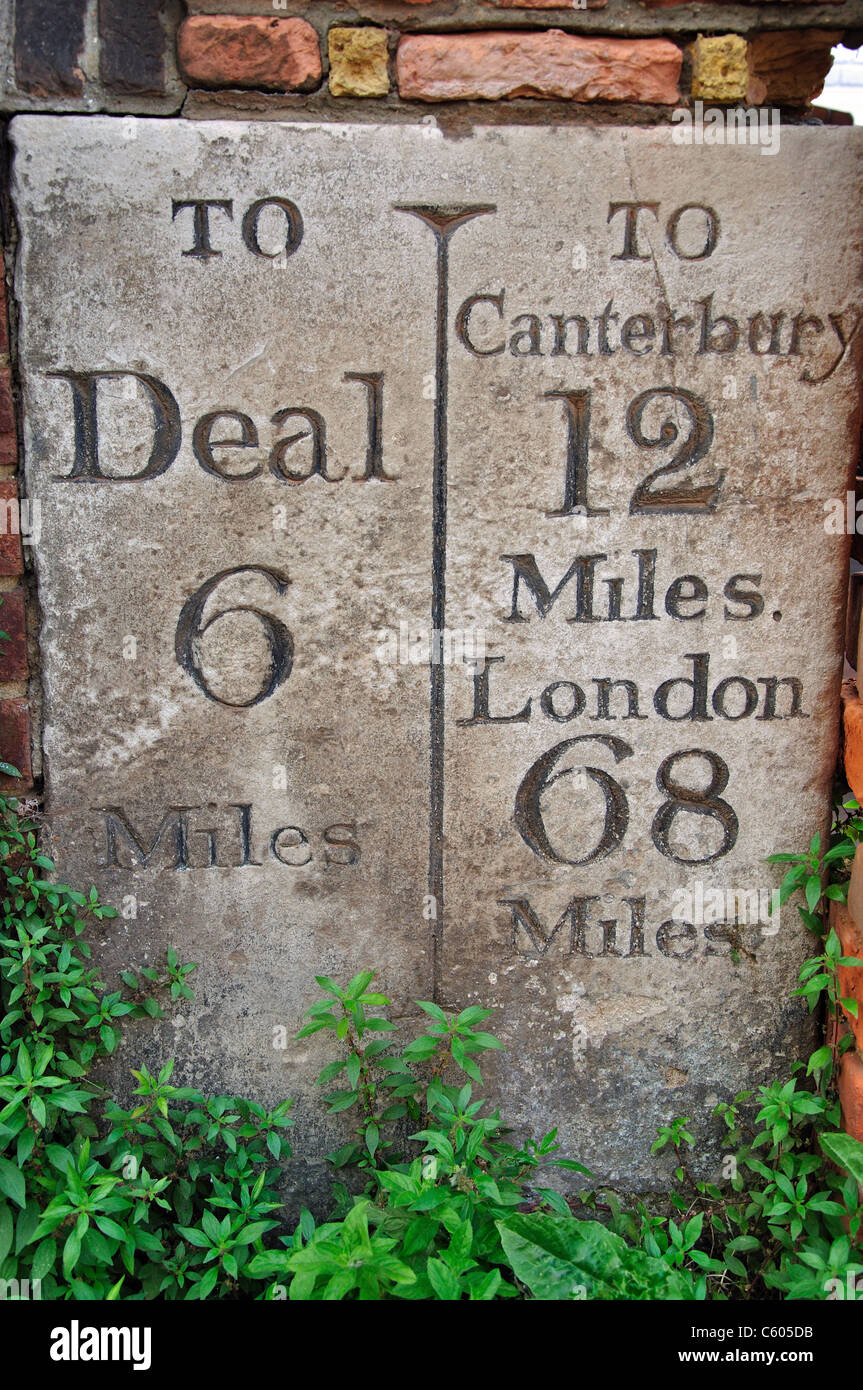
308, 1029
341, 1100
71, 1252
7, 1227
818, 1060
484, 1040
558, 1257
468, 1017
812, 891
437, 1141
433, 1010
442, 1280
253, 1232
421, 1049
193, 1236
331, 1071
43, 1259
359, 984
554, 1200
743, 1243
329, 986
12, 1182
845, 1151
487, 1288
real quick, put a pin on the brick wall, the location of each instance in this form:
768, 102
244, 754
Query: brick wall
163, 57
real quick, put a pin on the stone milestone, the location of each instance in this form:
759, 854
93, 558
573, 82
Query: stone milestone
437, 573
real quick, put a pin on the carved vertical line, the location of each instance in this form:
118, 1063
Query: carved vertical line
443, 222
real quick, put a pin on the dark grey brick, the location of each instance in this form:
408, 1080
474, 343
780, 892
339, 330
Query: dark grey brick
132, 46
49, 38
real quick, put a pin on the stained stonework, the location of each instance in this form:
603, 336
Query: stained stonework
720, 70
296, 399
359, 61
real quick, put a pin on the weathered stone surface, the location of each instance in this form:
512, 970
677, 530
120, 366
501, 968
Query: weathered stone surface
791, 67
274, 55
358, 62
608, 468
451, 67
720, 68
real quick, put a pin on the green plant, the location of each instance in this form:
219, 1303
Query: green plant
443, 1211
783, 1220
170, 1198
175, 1197
428, 1216
822, 877
559, 1258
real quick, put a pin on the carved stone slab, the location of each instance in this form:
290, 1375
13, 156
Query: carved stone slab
437, 573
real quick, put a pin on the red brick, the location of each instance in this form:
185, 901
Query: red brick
4, 324
13, 653
15, 743
11, 558
271, 55
852, 726
789, 68
850, 976
8, 437
851, 1094
666, 4
452, 67
830, 117
546, 4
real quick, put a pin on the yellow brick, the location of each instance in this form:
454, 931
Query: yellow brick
358, 63
720, 69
